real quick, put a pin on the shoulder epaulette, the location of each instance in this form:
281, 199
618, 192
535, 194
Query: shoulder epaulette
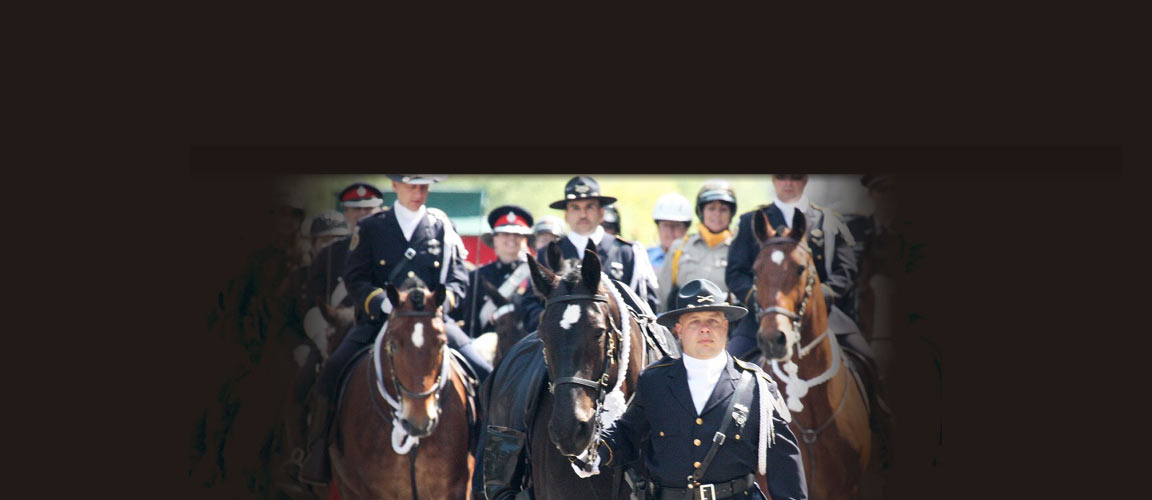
662, 362
622, 240
752, 367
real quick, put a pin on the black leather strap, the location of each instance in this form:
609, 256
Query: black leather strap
720, 490
743, 391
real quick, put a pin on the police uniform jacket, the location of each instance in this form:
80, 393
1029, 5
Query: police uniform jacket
696, 260
496, 273
378, 246
619, 261
830, 242
678, 438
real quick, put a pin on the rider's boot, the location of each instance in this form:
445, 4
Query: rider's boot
317, 468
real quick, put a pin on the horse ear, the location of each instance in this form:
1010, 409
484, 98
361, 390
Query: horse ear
492, 291
543, 280
439, 294
393, 295
590, 268
554, 257
761, 229
799, 226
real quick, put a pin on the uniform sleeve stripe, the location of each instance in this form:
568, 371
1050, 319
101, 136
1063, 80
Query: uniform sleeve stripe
368, 300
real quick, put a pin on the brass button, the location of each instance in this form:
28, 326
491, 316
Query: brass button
737, 437
436, 263
696, 442
696, 464
411, 274
381, 262
699, 421
661, 433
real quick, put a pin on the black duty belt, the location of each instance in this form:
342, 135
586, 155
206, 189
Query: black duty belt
715, 491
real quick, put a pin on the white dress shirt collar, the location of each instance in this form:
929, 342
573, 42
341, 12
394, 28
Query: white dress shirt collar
702, 377
581, 240
789, 209
407, 218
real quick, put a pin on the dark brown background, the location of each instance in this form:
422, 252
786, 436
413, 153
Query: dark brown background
1008, 123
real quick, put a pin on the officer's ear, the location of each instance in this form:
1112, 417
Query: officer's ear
393, 295
439, 294
544, 281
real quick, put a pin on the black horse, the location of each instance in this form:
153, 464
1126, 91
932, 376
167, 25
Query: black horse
584, 345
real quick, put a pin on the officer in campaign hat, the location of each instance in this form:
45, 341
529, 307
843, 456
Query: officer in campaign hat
407, 240
624, 261
698, 418
511, 233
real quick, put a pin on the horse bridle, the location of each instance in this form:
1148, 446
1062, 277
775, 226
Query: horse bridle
601, 384
796, 317
436, 386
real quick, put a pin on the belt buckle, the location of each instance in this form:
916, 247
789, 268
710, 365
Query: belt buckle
707, 492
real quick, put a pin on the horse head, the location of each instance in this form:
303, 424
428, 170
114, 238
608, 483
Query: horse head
787, 286
579, 330
508, 322
415, 347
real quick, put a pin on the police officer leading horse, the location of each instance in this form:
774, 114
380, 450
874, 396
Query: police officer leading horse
706, 422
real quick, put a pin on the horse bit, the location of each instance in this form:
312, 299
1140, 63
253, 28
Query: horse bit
602, 383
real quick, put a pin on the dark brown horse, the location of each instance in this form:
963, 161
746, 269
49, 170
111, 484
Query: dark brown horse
403, 420
829, 413
587, 340
508, 323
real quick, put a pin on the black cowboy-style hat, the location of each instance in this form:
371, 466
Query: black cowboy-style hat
416, 178
698, 296
509, 219
360, 194
581, 187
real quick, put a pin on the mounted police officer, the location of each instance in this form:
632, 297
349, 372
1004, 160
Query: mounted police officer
407, 240
624, 261
358, 200
831, 244
547, 229
698, 418
673, 216
511, 232
704, 253
832, 250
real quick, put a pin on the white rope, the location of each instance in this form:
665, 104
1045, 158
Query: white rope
614, 403
767, 432
797, 387
402, 442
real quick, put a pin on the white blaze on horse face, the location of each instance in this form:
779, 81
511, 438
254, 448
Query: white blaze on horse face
571, 316
418, 335
777, 257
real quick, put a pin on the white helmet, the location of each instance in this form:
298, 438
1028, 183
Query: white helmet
672, 206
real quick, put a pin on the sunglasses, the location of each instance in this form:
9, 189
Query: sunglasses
795, 177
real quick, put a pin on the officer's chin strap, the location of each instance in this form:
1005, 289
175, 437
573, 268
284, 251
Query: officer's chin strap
402, 442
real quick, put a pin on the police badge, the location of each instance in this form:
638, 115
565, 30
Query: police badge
617, 270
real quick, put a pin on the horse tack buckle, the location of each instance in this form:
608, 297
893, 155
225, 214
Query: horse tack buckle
707, 492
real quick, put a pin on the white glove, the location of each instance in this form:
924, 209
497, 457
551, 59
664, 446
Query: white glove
594, 467
386, 305
486, 312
